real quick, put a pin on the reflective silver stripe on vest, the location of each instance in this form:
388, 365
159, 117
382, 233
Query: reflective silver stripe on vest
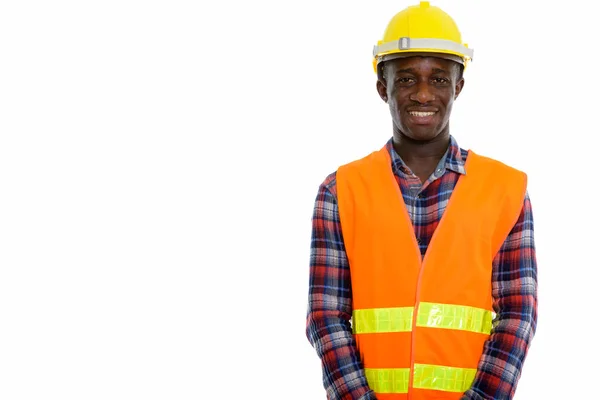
431, 315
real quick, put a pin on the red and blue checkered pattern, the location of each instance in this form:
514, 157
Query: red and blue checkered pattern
514, 285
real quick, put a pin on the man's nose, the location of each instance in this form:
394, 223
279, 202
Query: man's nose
423, 93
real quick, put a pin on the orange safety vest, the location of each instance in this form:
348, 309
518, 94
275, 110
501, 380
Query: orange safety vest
420, 323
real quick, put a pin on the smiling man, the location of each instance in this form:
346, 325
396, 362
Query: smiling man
423, 275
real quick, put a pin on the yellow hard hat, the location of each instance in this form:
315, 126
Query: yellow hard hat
421, 29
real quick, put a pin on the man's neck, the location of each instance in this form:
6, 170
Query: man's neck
419, 153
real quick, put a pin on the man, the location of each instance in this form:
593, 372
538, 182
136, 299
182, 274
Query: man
423, 272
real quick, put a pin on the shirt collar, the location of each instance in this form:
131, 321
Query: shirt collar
452, 160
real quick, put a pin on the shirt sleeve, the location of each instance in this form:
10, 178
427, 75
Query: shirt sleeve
328, 326
514, 289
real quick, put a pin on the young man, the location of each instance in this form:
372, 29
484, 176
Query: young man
423, 272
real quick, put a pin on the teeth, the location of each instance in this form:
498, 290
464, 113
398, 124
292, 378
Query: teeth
421, 114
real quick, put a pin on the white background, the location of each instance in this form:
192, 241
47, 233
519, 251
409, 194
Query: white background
159, 162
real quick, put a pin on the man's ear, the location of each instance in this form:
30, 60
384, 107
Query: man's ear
382, 90
459, 87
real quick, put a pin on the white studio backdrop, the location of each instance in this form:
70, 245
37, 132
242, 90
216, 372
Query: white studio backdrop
159, 162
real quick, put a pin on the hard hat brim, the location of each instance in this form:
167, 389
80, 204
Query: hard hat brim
393, 56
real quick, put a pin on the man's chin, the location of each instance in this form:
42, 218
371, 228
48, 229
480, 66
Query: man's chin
422, 136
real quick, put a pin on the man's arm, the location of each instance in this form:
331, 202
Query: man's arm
514, 288
330, 302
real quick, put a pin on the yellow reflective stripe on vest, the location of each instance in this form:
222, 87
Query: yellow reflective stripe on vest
449, 316
431, 315
380, 320
388, 380
447, 379
434, 377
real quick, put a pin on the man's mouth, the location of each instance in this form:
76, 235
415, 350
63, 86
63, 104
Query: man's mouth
426, 118
422, 113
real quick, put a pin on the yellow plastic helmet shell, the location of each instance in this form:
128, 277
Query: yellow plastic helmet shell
421, 29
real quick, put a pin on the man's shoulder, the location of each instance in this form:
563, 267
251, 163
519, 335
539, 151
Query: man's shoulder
330, 181
496, 163
501, 174
358, 163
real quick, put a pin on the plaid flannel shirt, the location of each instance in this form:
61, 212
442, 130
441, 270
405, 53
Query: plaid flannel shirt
514, 285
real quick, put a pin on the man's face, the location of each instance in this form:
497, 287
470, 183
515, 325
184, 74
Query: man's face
420, 92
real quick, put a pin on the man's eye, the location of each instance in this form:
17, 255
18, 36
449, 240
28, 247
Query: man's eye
441, 80
404, 80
